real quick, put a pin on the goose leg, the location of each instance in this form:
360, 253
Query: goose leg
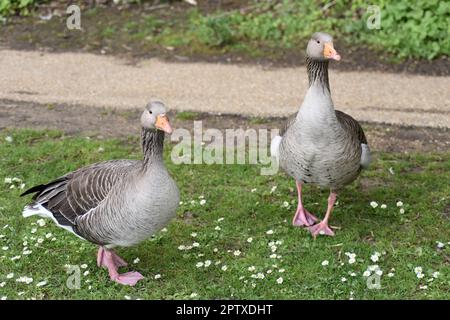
110, 260
302, 216
322, 227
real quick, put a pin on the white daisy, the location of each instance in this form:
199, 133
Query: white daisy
25, 279
440, 245
41, 284
325, 263
280, 280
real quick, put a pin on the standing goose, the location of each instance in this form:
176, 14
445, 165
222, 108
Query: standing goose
320, 145
115, 203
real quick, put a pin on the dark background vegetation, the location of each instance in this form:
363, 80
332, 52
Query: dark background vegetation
411, 31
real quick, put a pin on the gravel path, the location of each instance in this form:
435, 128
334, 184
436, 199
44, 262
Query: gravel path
101, 81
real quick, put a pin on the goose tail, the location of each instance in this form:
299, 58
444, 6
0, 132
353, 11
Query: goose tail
275, 147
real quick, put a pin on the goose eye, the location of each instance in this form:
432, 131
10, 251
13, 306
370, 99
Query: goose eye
150, 111
318, 41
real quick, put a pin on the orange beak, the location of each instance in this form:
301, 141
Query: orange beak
330, 53
162, 123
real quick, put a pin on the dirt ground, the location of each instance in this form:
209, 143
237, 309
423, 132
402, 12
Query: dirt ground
108, 123
105, 81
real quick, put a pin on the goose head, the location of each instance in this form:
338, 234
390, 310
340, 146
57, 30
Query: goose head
320, 47
154, 117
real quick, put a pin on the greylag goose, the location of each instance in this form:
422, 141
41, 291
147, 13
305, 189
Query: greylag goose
320, 145
117, 202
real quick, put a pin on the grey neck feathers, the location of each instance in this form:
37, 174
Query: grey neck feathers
318, 73
152, 145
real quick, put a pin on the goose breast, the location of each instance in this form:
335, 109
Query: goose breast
323, 155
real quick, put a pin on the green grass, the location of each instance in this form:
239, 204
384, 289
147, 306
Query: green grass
187, 115
408, 239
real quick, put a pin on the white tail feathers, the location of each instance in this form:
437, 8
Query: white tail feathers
275, 147
365, 156
38, 209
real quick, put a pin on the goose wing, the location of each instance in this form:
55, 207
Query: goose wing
77, 192
357, 133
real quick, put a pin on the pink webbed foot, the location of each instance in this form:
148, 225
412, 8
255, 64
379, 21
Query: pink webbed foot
111, 261
321, 228
129, 278
303, 218
119, 262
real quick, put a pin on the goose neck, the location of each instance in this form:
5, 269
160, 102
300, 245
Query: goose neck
152, 145
318, 73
